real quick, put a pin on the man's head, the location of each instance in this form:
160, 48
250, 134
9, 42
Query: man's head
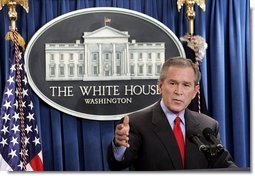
178, 83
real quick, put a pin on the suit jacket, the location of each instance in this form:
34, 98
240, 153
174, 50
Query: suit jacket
153, 145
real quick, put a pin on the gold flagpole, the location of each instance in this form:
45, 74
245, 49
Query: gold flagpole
196, 43
18, 42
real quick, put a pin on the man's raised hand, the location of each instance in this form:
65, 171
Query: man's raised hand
121, 135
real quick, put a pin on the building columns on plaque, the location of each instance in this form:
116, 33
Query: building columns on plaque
127, 60
124, 59
100, 71
153, 67
86, 60
114, 59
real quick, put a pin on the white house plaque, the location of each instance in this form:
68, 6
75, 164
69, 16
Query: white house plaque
99, 63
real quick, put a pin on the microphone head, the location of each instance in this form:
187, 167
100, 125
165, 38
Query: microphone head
194, 137
207, 132
210, 135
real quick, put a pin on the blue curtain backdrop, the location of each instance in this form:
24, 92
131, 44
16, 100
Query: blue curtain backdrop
71, 143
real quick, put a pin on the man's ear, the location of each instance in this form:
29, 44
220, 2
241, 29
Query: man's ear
197, 88
159, 83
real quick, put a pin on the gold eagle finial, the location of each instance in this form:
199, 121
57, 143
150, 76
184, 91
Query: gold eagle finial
190, 12
23, 3
12, 9
200, 3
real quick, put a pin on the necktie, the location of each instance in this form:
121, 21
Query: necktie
179, 138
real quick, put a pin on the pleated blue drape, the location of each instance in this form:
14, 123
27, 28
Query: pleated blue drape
71, 143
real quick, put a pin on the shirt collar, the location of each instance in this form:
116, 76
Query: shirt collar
170, 115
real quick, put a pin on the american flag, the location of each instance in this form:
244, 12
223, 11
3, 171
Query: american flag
20, 144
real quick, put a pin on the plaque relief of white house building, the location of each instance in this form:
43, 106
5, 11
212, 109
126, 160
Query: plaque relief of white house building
104, 54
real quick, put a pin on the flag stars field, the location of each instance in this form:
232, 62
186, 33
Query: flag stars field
24, 92
30, 117
5, 129
15, 128
8, 92
36, 141
7, 104
12, 153
29, 129
12, 69
31, 105
14, 141
16, 116
6, 117
3, 142
25, 80
10, 80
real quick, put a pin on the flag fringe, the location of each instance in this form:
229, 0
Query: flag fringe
10, 36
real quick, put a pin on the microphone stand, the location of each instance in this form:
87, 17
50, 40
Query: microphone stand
213, 153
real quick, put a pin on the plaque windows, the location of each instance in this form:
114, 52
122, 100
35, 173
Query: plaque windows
158, 67
71, 69
149, 69
158, 55
61, 70
80, 70
140, 70
149, 56
52, 70
132, 70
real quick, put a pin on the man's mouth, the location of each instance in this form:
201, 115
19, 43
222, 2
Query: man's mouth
177, 100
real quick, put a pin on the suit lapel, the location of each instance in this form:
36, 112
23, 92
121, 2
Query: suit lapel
163, 130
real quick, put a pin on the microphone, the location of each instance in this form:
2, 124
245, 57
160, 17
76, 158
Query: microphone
210, 136
193, 137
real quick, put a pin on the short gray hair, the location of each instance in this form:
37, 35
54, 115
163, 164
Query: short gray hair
180, 62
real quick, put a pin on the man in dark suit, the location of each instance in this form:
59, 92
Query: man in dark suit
162, 136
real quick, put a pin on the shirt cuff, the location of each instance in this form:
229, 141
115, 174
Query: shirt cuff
118, 152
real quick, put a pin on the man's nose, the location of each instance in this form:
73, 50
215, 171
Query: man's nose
179, 90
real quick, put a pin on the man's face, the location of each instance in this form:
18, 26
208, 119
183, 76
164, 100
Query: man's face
178, 88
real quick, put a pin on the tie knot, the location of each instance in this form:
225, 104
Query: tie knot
177, 120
